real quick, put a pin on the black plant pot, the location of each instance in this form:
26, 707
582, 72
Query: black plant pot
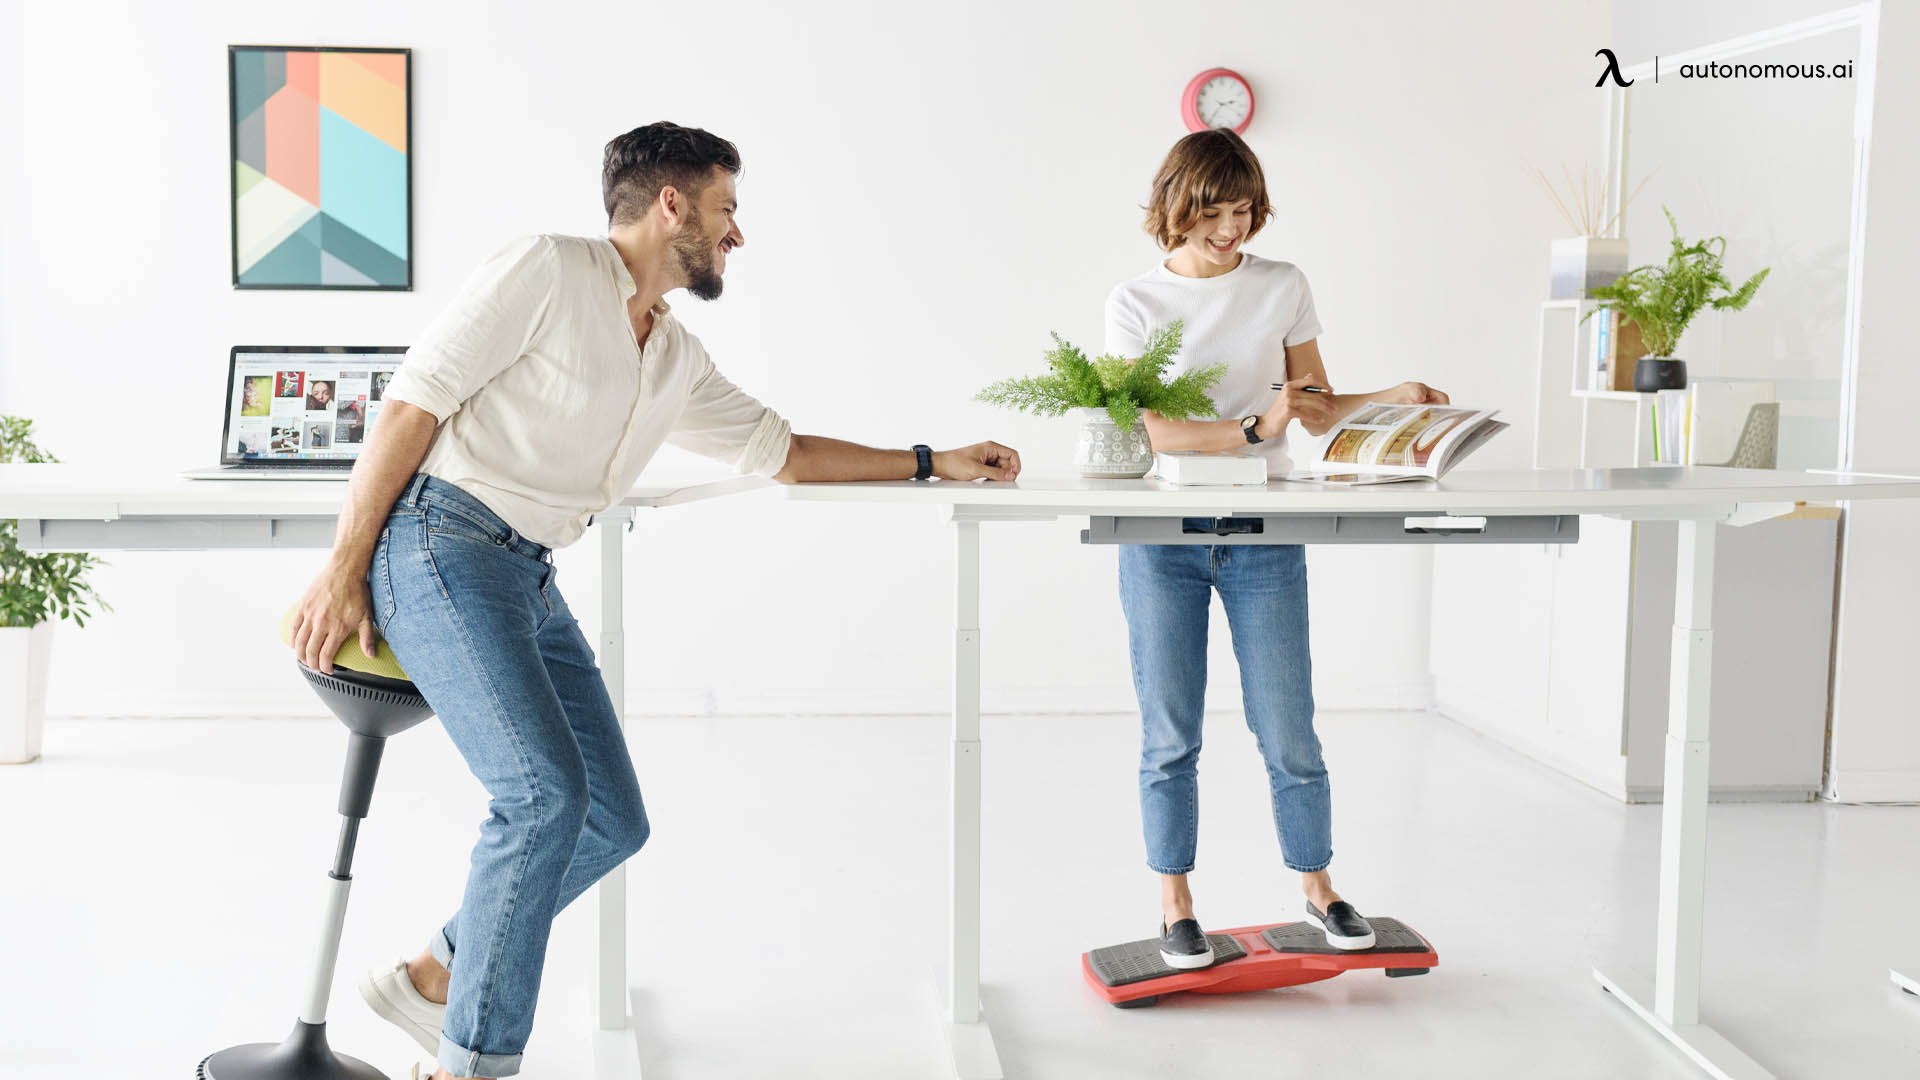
1652, 373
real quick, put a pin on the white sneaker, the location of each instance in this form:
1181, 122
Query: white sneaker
390, 993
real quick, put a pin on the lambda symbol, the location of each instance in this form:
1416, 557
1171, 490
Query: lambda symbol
1613, 69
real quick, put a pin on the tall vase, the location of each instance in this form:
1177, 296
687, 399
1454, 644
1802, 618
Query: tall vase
1107, 453
23, 690
1584, 263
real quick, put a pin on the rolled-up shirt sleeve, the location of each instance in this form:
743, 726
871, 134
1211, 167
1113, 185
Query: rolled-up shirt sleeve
729, 425
486, 328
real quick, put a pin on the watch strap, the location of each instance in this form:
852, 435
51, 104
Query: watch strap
924, 455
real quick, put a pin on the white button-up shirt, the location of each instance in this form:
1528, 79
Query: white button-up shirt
548, 406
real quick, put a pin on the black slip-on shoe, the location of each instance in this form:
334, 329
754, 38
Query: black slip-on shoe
1344, 927
1184, 947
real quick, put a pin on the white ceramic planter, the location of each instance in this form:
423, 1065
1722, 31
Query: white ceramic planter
1107, 453
1584, 263
23, 690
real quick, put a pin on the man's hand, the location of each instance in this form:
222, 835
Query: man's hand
335, 606
1415, 393
987, 460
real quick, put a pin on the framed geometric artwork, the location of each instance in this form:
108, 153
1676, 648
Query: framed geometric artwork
322, 167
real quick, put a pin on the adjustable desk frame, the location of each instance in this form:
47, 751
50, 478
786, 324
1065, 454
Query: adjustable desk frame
1526, 507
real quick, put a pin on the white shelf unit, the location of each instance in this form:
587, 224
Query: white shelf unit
1566, 656
1576, 423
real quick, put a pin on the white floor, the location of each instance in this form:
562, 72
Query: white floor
159, 881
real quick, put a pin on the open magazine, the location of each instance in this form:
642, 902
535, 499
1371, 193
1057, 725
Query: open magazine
1380, 444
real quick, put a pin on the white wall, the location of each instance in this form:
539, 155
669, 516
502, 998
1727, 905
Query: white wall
927, 193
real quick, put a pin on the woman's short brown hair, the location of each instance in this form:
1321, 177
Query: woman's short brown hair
1206, 167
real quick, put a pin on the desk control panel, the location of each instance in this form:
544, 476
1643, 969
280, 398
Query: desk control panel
1376, 528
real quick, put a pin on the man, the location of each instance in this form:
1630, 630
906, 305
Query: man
528, 406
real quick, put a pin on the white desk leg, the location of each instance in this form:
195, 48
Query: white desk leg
1905, 982
1683, 826
974, 1056
616, 1052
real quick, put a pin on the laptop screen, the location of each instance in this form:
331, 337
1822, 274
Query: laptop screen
304, 405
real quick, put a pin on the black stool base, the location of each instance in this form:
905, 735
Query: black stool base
304, 1056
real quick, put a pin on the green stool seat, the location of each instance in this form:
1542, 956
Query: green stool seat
370, 694
382, 663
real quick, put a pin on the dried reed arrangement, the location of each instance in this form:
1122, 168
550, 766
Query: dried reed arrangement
1584, 205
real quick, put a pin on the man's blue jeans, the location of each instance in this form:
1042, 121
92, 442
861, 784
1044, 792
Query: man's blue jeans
1165, 591
471, 611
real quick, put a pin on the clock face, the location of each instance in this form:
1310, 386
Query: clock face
1223, 101
1217, 98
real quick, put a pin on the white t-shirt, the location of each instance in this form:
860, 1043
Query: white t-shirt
1244, 318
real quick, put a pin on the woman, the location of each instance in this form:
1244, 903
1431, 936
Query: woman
1256, 315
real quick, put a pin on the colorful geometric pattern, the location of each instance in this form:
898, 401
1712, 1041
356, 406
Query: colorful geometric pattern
322, 180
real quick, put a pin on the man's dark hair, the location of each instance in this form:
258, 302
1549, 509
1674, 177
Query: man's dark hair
641, 162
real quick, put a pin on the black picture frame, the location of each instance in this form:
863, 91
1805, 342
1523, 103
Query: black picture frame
233, 157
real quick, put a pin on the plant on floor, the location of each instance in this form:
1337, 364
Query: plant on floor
34, 588
1120, 386
1662, 300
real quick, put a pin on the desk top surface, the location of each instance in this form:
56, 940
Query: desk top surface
102, 492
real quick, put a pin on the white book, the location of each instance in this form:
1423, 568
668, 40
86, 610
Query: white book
1208, 468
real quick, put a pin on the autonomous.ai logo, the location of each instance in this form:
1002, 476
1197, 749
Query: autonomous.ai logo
1613, 69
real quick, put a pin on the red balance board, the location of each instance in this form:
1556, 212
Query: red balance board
1252, 958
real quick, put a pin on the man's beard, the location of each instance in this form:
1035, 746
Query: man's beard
696, 261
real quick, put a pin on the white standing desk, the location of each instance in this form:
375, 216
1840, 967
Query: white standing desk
71, 508
1526, 506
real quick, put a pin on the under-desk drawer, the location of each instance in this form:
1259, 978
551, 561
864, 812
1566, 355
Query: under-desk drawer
1396, 528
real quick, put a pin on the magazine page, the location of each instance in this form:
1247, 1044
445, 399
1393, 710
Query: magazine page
1398, 440
1472, 439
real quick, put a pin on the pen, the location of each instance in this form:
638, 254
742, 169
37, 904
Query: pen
1308, 389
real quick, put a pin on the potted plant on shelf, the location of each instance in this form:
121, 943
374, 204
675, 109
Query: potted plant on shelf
1662, 300
34, 591
1108, 394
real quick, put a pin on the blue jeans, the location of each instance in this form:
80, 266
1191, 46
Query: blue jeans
1165, 591
471, 611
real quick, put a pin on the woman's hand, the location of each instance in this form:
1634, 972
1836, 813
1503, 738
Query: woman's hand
1415, 393
1313, 410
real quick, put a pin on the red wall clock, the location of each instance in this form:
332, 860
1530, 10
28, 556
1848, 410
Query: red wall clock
1217, 98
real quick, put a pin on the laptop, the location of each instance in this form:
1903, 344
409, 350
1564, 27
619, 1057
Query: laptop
300, 412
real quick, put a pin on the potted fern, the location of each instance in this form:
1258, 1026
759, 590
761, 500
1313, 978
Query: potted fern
34, 591
1108, 395
1662, 300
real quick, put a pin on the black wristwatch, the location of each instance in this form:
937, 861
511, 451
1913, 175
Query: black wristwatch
1248, 424
925, 456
